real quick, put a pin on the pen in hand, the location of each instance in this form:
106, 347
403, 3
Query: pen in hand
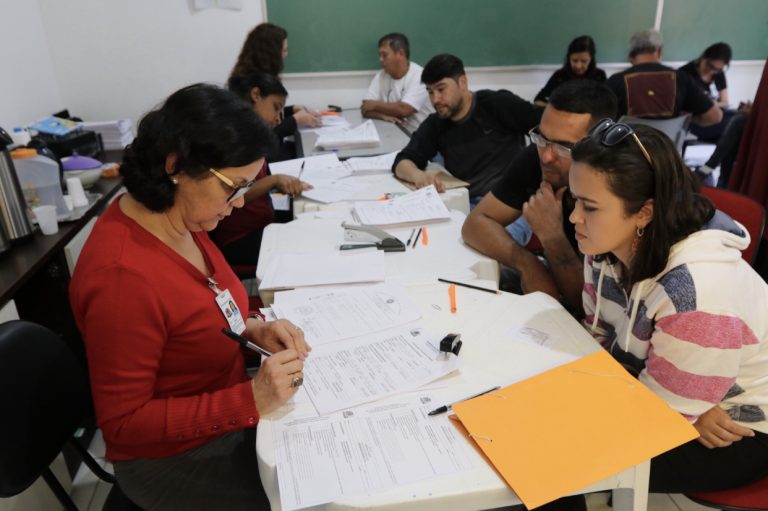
245, 343
445, 408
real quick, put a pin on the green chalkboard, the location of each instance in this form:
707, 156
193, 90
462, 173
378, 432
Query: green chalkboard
689, 26
341, 35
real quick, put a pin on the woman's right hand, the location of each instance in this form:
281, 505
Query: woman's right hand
272, 385
291, 185
306, 119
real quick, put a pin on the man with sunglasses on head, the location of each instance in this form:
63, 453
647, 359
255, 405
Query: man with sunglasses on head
477, 133
534, 186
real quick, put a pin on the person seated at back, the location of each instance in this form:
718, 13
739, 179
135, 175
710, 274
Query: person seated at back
396, 93
534, 186
238, 236
579, 63
477, 134
652, 90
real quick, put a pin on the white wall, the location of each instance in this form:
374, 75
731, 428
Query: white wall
116, 58
28, 88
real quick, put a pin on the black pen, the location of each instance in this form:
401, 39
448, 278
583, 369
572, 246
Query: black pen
410, 237
445, 408
301, 169
245, 343
470, 286
417, 237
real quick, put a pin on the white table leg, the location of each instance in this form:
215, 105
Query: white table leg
635, 498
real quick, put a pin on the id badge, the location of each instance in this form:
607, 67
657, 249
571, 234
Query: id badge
231, 311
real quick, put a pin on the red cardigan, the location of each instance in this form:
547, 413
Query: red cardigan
164, 378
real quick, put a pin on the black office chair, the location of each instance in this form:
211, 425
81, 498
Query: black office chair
45, 398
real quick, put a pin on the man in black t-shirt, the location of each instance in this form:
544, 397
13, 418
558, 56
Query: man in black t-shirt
478, 134
653, 90
535, 186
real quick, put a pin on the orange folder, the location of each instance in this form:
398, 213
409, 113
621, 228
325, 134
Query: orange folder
572, 426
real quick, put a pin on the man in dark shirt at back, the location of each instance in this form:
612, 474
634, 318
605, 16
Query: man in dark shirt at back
652, 90
478, 134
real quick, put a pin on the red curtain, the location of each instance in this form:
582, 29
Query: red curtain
750, 172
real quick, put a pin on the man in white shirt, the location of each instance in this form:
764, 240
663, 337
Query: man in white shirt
396, 93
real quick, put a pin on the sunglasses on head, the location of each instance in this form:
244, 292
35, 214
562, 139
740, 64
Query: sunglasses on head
610, 133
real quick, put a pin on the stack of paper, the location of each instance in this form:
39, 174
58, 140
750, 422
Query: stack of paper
313, 168
364, 135
371, 165
114, 134
321, 459
423, 205
292, 270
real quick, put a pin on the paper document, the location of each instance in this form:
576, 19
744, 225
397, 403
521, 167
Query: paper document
299, 269
697, 155
449, 180
423, 205
334, 190
609, 415
322, 459
371, 165
371, 367
363, 135
331, 314
324, 166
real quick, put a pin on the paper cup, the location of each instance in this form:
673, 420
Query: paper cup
75, 189
46, 219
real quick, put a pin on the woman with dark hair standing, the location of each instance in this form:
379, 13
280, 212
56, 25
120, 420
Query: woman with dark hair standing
239, 235
151, 295
579, 63
667, 293
265, 48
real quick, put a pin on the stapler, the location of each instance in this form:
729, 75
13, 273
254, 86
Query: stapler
378, 238
451, 343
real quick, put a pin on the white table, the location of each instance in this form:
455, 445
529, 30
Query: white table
392, 137
489, 357
446, 255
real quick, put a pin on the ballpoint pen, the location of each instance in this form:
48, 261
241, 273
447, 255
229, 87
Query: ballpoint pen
245, 343
410, 237
445, 408
418, 235
301, 170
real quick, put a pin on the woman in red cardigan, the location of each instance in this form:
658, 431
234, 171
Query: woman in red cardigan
151, 294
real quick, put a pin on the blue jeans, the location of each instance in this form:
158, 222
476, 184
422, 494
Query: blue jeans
519, 229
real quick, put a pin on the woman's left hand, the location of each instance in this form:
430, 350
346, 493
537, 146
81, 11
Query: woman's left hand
717, 429
291, 185
279, 335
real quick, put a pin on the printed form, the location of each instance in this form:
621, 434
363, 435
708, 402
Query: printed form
322, 459
423, 205
332, 314
371, 367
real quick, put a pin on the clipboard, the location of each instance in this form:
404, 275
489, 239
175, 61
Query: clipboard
572, 426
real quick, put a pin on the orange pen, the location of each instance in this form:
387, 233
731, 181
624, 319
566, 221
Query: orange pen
452, 297
425, 238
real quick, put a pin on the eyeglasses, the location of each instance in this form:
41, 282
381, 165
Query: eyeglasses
710, 66
542, 142
237, 190
610, 133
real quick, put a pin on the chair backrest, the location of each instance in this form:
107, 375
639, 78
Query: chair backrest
44, 397
744, 210
651, 93
676, 128
753, 497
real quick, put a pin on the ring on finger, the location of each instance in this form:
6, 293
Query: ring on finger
297, 380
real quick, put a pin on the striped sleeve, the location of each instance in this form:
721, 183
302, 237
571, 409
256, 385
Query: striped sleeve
589, 301
694, 359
